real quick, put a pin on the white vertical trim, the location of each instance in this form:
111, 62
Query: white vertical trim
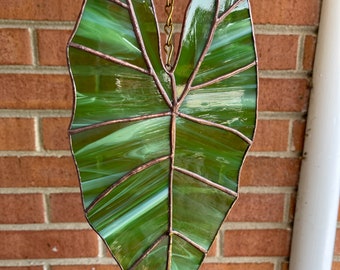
318, 196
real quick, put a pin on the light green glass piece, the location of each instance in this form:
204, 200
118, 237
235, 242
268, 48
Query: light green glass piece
159, 151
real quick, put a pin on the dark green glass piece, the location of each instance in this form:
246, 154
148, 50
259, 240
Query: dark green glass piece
229, 102
230, 48
102, 94
195, 35
211, 152
197, 203
159, 151
184, 255
134, 214
105, 154
155, 259
107, 27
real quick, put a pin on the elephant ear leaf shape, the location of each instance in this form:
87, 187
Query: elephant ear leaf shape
159, 151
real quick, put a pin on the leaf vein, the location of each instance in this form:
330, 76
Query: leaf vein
148, 251
145, 54
119, 3
207, 181
213, 124
123, 179
108, 57
228, 11
190, 241
117, 121
223, 77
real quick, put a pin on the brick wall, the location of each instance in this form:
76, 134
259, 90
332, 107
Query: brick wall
41, 220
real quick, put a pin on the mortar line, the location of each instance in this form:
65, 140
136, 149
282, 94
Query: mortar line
243, 260
46, 203
56, 153
268, 115
255, 226
34, 46
29, 113
30, 69
285, 29
284, 74
46, 266
267, 190
220, 244
57, 25
300, 52
42, 190
38, 135
286, 207
290, 143
58, 262
275, 154
76, 226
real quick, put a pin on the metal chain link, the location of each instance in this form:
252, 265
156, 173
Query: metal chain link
169, 29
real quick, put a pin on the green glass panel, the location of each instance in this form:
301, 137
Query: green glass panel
106, 154
107, 27
211, 152
198, 209
134, 214
184, 255
231, 102
230, 49
194, 38
108, 91
156, 172
147, 24
156, 258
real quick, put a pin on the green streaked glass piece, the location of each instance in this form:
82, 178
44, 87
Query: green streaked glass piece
159, 151
102, 96
134, 214
198, 203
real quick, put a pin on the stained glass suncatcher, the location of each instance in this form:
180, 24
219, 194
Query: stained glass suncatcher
159, 151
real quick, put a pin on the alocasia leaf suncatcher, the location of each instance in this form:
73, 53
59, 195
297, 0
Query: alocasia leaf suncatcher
159, 151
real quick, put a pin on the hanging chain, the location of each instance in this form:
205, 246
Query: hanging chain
169, 29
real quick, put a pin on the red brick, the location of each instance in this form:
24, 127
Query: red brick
52, 47
267, 171
237, 266
37, 172
48, 244
55, 133
271, 135
291, 12
35, 91
288, 95
213, 249
292, 206
66, 208
85, 267
309, 52
299, 127
21, 208
257, 243
336, 266
15, 47
258, 208
285, 266
17, 134
337, 243
277, 52
62, 10
22, 268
